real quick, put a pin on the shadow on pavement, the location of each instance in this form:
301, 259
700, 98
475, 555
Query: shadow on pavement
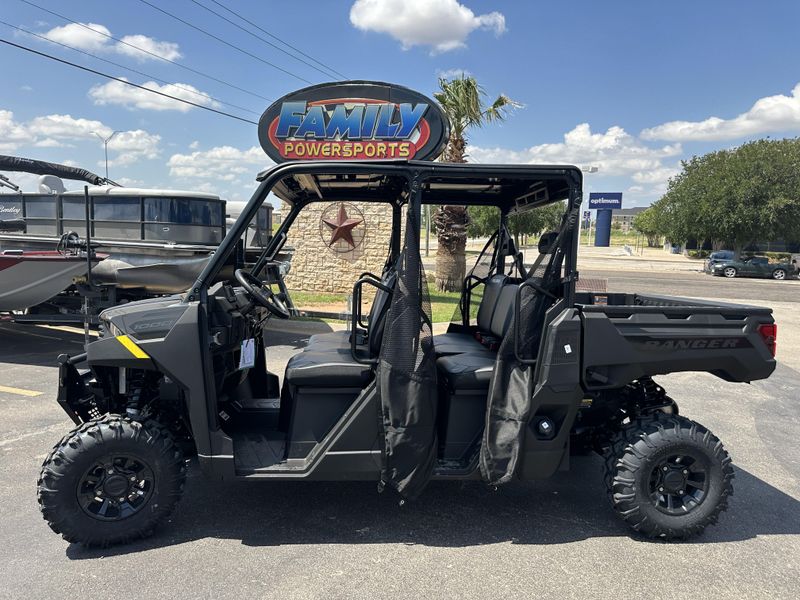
568, 508
38, 346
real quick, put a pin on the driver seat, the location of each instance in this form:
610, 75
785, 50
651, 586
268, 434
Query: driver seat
322, 381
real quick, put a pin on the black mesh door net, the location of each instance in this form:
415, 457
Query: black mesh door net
511, 387
407, 373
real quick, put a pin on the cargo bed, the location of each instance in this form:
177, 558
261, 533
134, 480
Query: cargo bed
629, 336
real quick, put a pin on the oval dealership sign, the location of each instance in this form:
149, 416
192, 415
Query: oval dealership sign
353, 120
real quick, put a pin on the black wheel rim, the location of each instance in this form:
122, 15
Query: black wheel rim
116, 487
678, 484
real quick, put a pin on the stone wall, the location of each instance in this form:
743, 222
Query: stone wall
318, 267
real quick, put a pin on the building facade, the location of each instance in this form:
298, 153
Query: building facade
622, 218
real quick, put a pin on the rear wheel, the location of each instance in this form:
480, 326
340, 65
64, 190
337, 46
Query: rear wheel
111, 480
668, 477
779, 274
729, 272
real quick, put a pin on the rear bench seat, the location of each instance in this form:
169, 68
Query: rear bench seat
494, 315
466, 363
465, 367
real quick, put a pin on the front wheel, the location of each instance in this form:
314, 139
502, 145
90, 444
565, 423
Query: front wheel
668, 477
729, 272
779, 274
111, 480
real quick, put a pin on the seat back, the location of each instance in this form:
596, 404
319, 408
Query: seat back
491, 292
378, 312
504, 311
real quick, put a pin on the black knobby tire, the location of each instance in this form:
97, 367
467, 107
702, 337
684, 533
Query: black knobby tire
644, 451
153, 460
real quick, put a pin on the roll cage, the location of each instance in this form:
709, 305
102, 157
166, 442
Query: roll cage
511, 188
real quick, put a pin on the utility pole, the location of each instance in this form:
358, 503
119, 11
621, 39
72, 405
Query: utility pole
105, 145
427, 229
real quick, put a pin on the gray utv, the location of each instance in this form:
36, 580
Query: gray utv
530, 374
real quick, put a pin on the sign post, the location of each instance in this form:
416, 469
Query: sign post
604, 203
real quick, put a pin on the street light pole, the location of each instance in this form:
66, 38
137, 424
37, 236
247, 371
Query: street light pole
589, 169
105, 145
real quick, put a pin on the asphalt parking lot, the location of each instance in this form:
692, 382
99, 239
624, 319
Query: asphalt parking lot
553, 539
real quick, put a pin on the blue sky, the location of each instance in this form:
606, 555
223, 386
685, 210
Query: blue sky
630, 87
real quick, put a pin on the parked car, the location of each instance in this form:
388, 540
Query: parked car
718, 257
754, 266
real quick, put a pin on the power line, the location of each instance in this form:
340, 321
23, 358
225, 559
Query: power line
275, 37
111, 62
260, 38
126, 82
220, 40
153, 54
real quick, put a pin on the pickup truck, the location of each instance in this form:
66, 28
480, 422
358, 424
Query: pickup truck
531, 373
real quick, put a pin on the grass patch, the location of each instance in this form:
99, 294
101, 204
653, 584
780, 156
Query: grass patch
311, 298
443, 304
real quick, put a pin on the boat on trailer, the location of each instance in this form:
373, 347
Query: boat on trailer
157, 241
28, 278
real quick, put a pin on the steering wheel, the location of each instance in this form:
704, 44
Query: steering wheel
261, 294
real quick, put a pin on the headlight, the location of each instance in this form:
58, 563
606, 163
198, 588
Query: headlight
107, 328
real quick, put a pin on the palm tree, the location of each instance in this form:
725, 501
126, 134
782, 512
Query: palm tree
463, 101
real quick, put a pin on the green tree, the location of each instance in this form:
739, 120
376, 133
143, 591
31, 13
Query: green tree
534, 221
736, 196
648, 223
484, 220
463, 101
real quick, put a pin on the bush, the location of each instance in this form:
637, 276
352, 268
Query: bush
698, 253
777, 256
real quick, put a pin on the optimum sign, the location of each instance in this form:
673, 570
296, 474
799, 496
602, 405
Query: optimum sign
355, 120
602, 200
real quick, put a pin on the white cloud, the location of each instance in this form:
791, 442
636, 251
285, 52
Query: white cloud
769, 114
93, 37
51, 143
452, 73
66, 127
168, 50
78, 36
54, 131
615, 152
12, 134
441, 24
656, 176
133, 146
129, 182
116, 92
224, 163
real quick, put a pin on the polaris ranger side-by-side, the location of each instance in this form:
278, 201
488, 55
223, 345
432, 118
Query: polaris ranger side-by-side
533, 372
